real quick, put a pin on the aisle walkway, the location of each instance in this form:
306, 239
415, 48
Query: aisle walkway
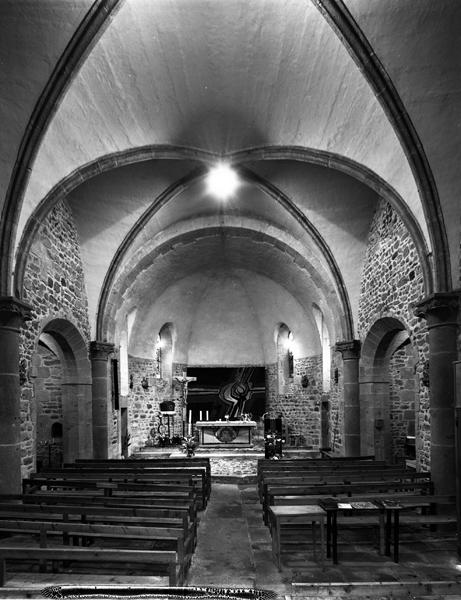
234, 546
234, 549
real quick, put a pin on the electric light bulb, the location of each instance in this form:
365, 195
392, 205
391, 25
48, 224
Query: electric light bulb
222, 181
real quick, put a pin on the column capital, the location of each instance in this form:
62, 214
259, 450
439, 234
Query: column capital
14, 312
349, 348
101, 350
439, 308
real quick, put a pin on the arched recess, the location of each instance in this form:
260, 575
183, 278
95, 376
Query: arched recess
164, 352
388, 396
284, 353
66, 343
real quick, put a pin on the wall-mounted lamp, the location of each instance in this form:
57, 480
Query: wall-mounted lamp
336, 376
145, 383
305, 381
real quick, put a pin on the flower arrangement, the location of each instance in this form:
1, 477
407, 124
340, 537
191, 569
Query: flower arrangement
273, 443
189, 444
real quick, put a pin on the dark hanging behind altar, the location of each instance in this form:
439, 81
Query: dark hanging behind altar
226, 391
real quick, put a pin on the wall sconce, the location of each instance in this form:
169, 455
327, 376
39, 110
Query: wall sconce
131, 381
305, 381
145, 383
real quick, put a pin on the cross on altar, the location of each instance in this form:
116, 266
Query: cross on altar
184, 381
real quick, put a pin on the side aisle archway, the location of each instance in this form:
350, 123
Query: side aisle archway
62, 384
388, 390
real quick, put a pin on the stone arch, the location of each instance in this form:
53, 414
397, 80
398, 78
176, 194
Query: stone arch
134, 155
387, 389
66, 342
284, 357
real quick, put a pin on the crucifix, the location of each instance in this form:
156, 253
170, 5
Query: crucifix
184, 381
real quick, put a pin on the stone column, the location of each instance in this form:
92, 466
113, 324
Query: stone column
101, 373
13, 313
441, 313
457, 368
350, 351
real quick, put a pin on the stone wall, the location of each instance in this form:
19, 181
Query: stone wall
299, 406
48, 371
392, 281
336, 400
144, 404
402, 399
54, 286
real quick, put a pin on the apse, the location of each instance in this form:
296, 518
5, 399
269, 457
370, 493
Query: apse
227, 391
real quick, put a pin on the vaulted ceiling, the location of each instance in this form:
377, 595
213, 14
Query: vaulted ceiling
120, 107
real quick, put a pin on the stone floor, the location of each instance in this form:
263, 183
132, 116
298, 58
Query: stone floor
234, 549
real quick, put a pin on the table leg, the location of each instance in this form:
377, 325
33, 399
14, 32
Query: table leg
314, 544
276, 550
322, 539
382, 534
387, 548
335, 536
396, 536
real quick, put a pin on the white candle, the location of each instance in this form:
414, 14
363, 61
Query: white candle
190, 416
200, 416
207, 415
189, 429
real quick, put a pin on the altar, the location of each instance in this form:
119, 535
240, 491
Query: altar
225, 434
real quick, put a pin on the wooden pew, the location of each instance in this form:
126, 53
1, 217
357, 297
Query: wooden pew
119, 536
167, 474
195, 461
285, 466
343, 476
178, 465
345, 489
156, 560
80, 510
81, 488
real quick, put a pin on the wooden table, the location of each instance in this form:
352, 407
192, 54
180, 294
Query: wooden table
289, 515
394, 506
332, 507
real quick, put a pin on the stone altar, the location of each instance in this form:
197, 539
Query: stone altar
226, 434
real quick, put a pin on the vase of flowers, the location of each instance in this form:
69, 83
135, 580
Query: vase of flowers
189, 444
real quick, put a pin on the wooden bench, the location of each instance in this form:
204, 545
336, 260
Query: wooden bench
268, 468
164, 475
119, 536
82, 511
158, 561
200, 471
61, 493
345, 476
349, 489
203, 462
